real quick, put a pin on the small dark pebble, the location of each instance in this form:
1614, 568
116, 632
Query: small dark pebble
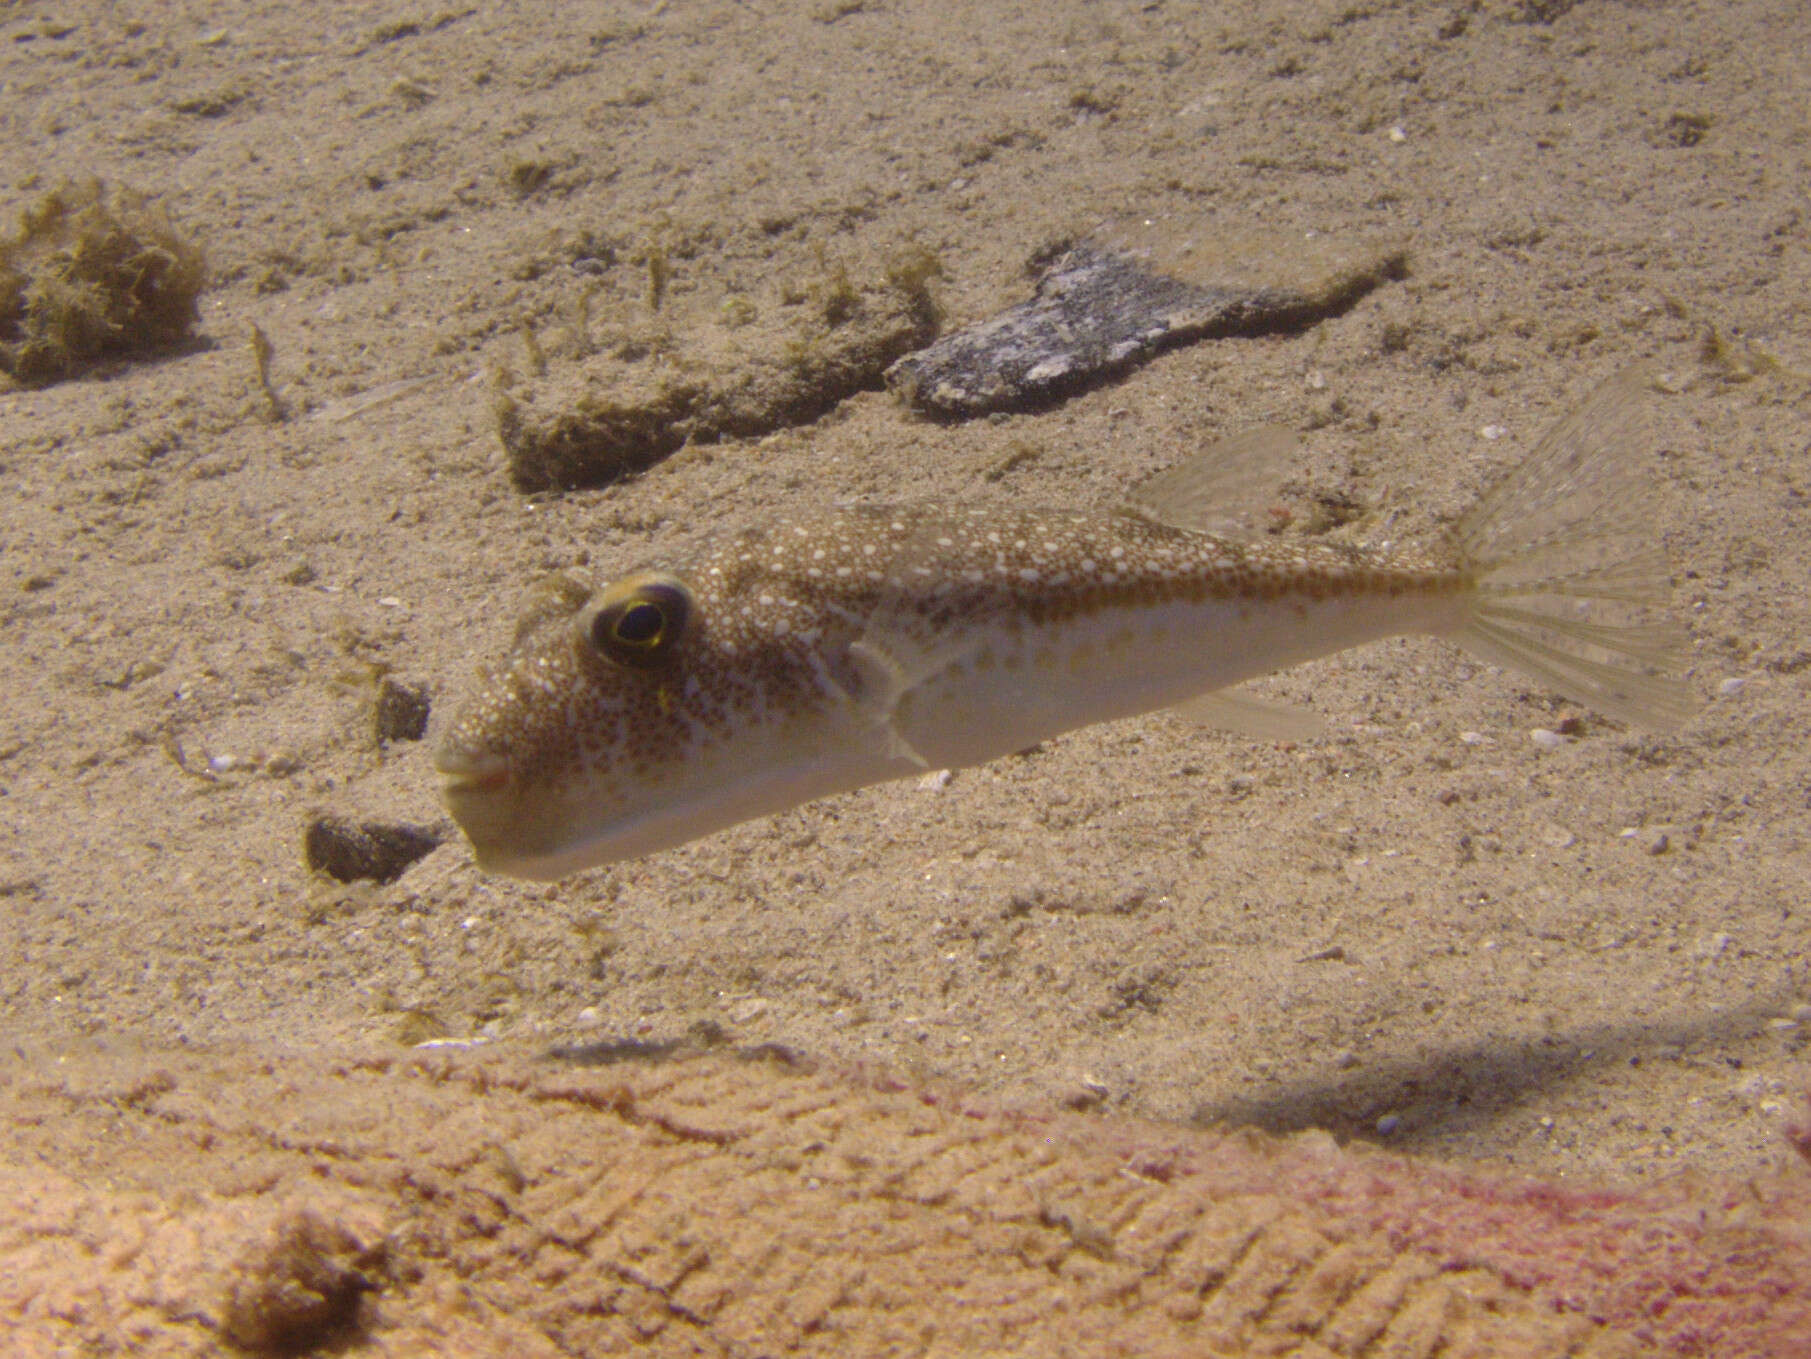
349, 851
401, 711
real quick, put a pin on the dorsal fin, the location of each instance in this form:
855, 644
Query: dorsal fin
1224, 489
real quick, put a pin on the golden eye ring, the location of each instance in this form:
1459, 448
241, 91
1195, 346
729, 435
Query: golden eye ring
637, 621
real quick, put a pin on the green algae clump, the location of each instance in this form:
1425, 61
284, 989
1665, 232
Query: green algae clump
93, 273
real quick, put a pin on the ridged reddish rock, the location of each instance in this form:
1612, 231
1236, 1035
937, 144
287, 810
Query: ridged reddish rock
482, 1204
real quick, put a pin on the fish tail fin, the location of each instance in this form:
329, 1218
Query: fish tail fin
1568, 570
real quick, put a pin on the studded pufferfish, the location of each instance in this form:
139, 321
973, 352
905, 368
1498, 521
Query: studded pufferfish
820, 654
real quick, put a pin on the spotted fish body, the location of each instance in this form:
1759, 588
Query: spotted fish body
813, 656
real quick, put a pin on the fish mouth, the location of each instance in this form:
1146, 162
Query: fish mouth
464, 771
505, 833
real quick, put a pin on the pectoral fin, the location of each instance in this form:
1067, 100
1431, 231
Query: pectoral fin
900, 647
880, 681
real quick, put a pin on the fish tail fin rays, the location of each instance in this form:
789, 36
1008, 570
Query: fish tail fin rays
1569, 575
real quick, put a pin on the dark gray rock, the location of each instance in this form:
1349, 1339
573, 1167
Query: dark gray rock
1097, 314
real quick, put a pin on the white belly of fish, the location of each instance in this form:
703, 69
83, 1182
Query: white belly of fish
1015, 686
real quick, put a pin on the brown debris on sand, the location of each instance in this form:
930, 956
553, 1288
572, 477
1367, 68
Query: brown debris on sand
618, 413
300, 1282
490, 1203
93, 272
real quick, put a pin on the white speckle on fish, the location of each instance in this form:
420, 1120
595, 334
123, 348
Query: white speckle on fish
635, 715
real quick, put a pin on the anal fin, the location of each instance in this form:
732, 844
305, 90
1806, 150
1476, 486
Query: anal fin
1244, 715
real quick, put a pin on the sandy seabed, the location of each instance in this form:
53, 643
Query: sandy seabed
1057, 1055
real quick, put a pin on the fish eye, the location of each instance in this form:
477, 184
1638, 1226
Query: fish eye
640, 624
637, 621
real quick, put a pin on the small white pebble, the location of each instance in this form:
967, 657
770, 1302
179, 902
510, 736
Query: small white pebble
1398, 135
390, 602
1711, 946
1474, 738
1545, 739
589, 1018
1493, 432
1729, 688
935, 781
